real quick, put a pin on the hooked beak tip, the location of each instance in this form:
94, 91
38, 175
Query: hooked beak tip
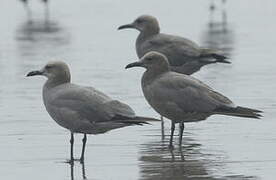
128, 66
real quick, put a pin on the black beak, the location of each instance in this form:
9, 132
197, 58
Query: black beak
34, 73
127, 26
135, 64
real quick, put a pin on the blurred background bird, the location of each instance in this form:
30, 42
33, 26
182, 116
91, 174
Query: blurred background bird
29, 11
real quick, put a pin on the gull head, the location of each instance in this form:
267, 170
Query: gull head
152, 61
53, 70
144, 23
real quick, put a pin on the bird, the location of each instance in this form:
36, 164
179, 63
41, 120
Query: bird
29, 13
82, 109
26, 1
184, 55
182, 98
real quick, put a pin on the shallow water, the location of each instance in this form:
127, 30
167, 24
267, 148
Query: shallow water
83, 33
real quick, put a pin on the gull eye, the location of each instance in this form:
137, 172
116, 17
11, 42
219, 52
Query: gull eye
150, 59
48, 66
139, 21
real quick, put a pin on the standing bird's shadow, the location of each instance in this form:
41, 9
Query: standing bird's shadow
29, 10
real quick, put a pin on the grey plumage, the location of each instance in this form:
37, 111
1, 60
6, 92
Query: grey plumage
86, 110
184, 56
82, 109
182, 98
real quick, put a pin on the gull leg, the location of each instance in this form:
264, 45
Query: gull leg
162, 128
181, 130
72, 171
83, 148
71, 161
83, 171
172, 132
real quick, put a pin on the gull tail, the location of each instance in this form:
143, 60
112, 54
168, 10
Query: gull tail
241, 112
214, 54
136, 120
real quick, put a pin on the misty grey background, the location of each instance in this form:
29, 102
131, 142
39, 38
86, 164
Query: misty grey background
83, 34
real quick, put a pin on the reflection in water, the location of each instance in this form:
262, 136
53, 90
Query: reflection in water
158, 162
72, 171
219, 33
38, 38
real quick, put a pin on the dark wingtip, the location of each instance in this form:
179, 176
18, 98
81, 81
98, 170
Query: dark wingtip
221, 58
257, 111
259, 115
224, 61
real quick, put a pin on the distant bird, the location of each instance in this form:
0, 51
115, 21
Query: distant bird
212, 6
26, 1
82, 109
219, 34
182, 98
184, 56
29, 13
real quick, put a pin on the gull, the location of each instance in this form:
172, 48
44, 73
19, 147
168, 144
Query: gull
184, 55
182, 98
82, 109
